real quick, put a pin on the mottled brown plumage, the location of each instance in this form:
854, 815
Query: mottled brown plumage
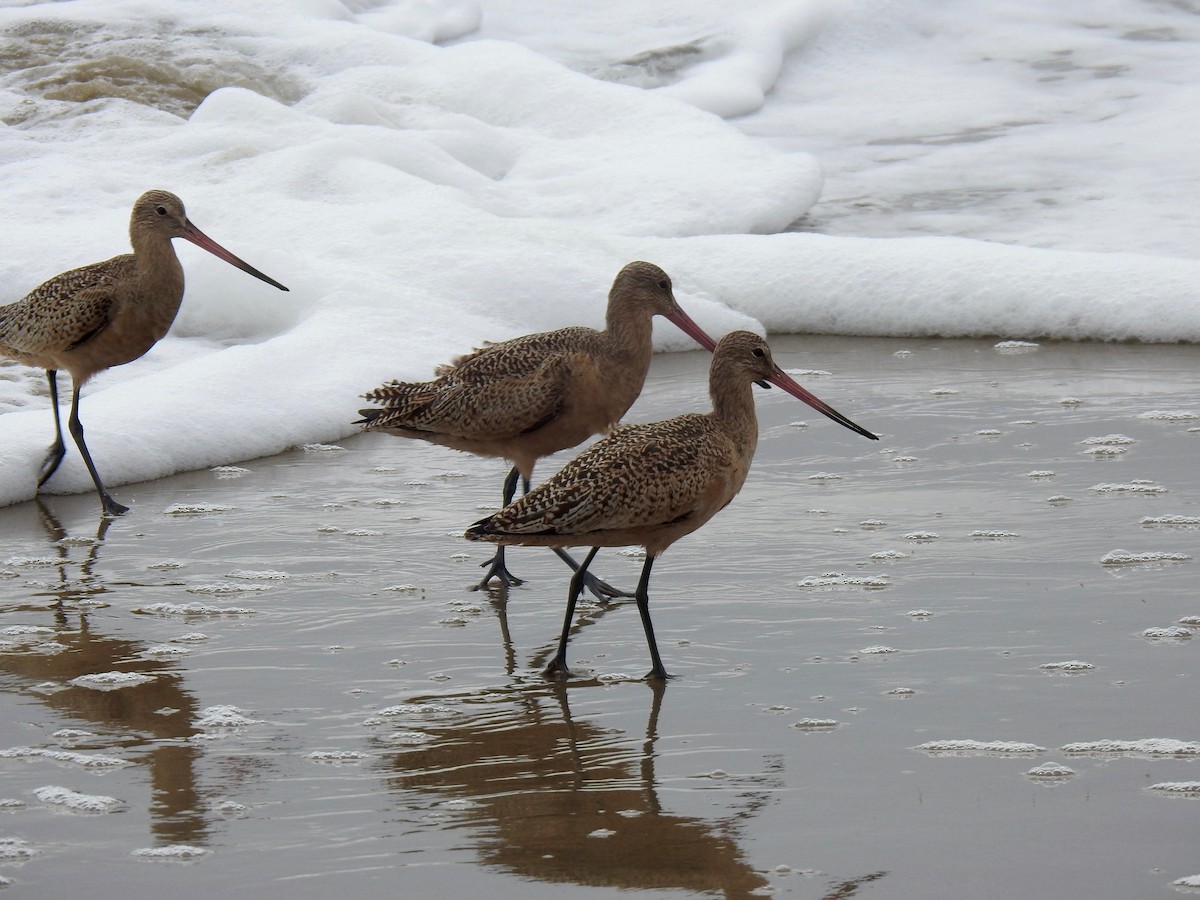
652, 484
106, 314
531, 396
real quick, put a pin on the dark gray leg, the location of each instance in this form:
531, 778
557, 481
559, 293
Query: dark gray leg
643, 604
558, 665
58, 449
111, 506
601, 590
497, 569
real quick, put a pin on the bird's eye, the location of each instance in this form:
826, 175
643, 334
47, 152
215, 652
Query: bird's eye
665, 285
161, 210
758, 351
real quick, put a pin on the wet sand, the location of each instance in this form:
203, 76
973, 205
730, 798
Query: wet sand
328, 709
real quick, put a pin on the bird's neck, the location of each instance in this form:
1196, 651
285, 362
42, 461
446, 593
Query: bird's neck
629, 330
733, 408
158, 266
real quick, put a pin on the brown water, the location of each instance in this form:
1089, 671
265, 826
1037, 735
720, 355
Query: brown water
396, 738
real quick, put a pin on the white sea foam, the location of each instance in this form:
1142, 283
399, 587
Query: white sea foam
1178, 788
258, 575
1051, 771
1140, 486
1070, 665
25, 633
1110, 439
16, 850
73, 801
420, 197
1011, 347
224, 717
1168, 633
1127, 558
82, 760
111, 681
68, 735
816, 724
337, 757
1182, 521
195, 509
171, 853
226, 587
838, 581
1170, 415
980, 748
1148, 747
191, 610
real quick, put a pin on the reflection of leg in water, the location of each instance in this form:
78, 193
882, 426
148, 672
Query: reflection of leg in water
158, 715
72, 589
538, 783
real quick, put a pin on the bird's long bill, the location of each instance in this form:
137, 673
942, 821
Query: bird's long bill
684, 323
787, 383
200, 239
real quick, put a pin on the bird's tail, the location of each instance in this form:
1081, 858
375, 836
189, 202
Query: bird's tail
481, 530
368, 417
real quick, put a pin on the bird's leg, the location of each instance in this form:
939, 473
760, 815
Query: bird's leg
111, 506
600, 589
558, 665
58, 449
643, 604
497, 569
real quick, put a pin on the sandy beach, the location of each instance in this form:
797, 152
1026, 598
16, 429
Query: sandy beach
956, 662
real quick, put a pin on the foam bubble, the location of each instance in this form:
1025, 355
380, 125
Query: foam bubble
980, 748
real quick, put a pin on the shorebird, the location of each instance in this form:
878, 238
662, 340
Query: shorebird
651, 484
531, 396
106, 314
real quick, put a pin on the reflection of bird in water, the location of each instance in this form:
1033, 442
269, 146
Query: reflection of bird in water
106, 314
531, 396
157, 715
566, 801
652, 484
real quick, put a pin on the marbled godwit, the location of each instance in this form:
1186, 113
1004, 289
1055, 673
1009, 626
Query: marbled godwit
531, 396
652, 484
106, 314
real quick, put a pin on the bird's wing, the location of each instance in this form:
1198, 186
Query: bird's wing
60, 314
504, 405
518, 357
639, 476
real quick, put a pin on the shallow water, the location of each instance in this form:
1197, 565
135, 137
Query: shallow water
391, 733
